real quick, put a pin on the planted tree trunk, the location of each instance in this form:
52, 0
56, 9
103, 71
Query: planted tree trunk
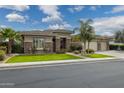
83, 48
9, 46
88, 47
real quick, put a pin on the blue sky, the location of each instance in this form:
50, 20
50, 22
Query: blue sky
107, 19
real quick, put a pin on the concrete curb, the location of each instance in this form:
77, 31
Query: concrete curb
12, 65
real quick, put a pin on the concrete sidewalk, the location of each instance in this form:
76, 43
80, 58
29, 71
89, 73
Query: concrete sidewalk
26, 64
117, 54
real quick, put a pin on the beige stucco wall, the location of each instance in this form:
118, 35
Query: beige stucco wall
28, 43
63, 35
103, 46
93, 45
28, 39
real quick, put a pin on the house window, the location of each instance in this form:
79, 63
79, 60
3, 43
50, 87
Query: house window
38, 43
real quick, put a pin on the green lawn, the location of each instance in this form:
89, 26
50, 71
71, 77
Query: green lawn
34, 58
97, 56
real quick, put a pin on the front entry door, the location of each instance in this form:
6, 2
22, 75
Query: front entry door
99, 46
54, 44
63, 43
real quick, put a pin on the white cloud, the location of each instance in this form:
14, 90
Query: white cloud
3, 26
14, 17
105, 25
94, 7
107, 34
60, 26
15, 7
53, 15
116, 9
76, 8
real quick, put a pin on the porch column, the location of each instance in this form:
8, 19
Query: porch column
57, 44
68, 44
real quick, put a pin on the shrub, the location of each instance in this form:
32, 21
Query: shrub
62, 51
4, 44
2, 55
4, 48
77, 52
74, 47
16, 48
90, 51
79, 48
115, 47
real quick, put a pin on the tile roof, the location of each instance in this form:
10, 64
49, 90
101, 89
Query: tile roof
45, 32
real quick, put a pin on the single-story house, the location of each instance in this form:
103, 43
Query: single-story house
52, 41
46, 41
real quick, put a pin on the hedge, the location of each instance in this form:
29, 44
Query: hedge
2, 55
16, 48
90, 51
4, 48
115, 47
74, 47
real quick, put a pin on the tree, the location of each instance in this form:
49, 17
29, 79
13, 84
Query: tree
118, 37
85, 33
76, 38
10, 35
90, 36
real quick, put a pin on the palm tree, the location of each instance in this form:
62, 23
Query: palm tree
89, 39
118, 36
123, 36
10, 35
85, 32
90, 36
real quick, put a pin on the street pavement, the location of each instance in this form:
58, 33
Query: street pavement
97, 74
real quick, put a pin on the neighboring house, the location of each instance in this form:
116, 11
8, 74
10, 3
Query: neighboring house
100, 43
46, 41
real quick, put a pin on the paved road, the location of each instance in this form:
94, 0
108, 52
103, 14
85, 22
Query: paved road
95, 74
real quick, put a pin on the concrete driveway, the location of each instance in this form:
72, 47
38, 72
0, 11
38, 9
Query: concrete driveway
118, 54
